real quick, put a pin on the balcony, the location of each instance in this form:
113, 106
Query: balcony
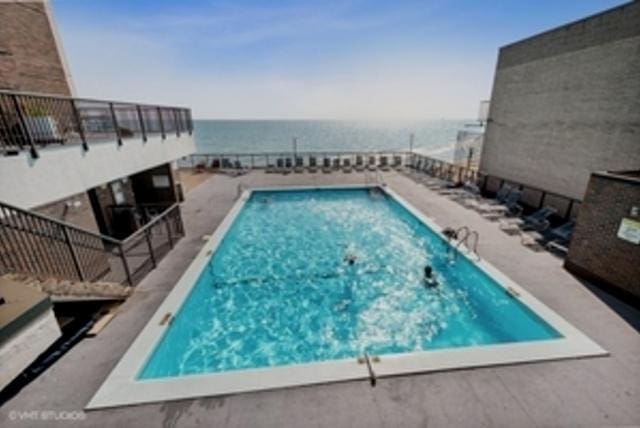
31, 122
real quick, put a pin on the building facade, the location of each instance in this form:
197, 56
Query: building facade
605, 247
566, 103
31, 57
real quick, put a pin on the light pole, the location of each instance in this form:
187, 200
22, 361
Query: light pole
295, 148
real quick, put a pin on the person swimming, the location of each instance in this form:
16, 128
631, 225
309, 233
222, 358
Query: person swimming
350, 258
428, 279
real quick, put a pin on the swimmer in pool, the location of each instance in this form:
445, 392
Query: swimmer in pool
428, 279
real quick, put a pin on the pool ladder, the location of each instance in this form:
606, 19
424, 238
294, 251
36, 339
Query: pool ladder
464, 234
373, 177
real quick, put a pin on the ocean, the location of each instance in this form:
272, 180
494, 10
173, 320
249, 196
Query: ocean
436, 137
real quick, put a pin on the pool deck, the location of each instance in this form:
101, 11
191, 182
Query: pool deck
602, 391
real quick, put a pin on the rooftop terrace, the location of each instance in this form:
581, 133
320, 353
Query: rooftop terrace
582, 392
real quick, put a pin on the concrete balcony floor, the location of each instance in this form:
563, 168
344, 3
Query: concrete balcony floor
600, 391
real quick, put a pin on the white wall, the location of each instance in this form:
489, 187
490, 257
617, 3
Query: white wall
62, 171
23, 348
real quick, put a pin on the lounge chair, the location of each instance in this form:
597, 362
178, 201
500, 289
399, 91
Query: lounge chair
336, 164
538, 221
371, 166
510, 206
384, 164
359, 166
288, 166
560, 237
397, 163
226, 164
346, 165
555, 240
326, 165
501, 194
239, 168
271, 168
299, 168
215, 164
313, 165
279, 166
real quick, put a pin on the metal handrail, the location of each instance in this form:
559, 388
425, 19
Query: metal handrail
150, 224
29, 121
38, 244
92, 100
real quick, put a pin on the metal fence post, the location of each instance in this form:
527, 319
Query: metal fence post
166, 222
114, 119
142, 128
23, 125
74, 255
160, 121
76, 116
125, 264
147, 235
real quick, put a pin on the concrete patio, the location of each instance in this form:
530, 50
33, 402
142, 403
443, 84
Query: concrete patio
600, 391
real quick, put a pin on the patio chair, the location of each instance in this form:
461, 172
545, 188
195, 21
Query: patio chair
279, 166
359, 166
560, 237
313, 165
397, 163
371, 166
336, 164
384, 164
239, 168
510, 206
288, 166
299, 168
555, 240
538, 221
501, 194
215, 164
326, 165
226, 164
271, 168
346, 165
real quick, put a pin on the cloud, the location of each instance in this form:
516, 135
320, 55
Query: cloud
161, 59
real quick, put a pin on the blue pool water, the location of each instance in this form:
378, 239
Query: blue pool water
278, 290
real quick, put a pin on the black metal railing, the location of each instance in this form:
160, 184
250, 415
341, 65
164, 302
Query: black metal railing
35, 244
32, 121
299, 159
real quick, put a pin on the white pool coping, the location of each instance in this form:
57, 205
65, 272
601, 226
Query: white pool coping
121, 387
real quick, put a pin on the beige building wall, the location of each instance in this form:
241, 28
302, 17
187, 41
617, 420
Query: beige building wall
566, 103
31, 59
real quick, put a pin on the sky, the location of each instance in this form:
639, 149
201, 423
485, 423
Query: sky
372, 60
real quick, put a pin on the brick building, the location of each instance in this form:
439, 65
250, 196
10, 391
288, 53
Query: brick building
566, 103
31, 57
599, 249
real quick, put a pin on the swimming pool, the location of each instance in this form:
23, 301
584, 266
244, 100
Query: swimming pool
298, 284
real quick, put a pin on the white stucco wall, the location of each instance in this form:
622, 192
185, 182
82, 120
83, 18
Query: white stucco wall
62, 171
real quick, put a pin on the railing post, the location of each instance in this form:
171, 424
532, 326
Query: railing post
76, 116
147, 234
23, 125
164, 136
5, 125
74, 255
176, 121
190, 120
142, 128
114, 119
125, 265
166, 222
